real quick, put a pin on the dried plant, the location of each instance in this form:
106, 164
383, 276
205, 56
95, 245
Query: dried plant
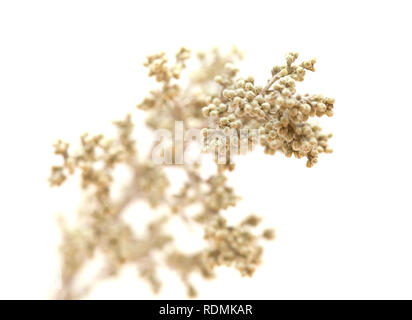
229, 113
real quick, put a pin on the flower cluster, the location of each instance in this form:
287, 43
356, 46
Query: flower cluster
235, 245
279, 113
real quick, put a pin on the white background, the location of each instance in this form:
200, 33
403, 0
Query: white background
343, 227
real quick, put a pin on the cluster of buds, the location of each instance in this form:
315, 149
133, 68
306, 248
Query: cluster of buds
220, 196
158, 65
236, 246
279, 113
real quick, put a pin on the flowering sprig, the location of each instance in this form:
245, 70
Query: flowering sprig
214, 98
